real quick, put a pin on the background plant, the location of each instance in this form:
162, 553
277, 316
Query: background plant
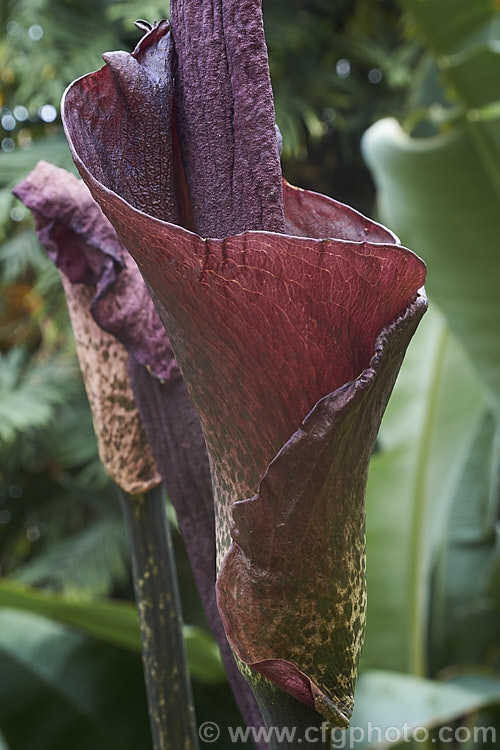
433, 565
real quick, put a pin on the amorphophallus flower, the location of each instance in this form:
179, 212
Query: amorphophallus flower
145, 403
88, 254
122, 444
289, 315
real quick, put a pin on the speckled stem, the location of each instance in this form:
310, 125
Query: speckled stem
304, 726
171, 711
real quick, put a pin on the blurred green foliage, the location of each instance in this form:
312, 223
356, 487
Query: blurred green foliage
432, 505
435, 607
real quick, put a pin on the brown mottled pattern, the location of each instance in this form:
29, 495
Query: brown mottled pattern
292, 587
123, 447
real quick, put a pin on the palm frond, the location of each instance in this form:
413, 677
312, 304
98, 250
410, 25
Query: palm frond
87, 565
29, 393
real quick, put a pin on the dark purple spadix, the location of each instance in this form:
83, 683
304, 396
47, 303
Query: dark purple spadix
225, 116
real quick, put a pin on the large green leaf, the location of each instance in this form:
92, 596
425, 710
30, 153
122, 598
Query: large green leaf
466, 617
427, 432
108, 620
61, 690
112, 622
388, 702
65, 682
442, 194
447, 24
436, 194
474, 73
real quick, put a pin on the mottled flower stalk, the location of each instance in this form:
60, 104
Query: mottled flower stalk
123, 449
171, 711
126, 455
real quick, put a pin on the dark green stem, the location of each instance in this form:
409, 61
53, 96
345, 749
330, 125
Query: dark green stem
171, 711
295, 725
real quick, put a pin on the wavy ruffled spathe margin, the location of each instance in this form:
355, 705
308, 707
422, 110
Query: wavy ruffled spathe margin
263, 325
84, 247
310, 508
